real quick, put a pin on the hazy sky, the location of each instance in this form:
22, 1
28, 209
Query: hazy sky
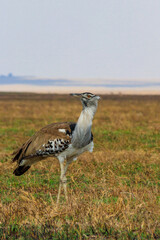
80, 38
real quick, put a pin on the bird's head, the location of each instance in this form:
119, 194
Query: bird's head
88, 99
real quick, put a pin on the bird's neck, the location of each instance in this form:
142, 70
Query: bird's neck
82, 133
86, 117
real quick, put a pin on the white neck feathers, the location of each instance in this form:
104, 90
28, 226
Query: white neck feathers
85, 119
82, 133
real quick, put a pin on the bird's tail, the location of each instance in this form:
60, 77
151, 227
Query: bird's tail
20, 170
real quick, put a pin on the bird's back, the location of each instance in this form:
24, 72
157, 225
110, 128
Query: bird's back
50, 140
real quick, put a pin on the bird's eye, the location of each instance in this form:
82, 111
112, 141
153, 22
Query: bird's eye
89, 96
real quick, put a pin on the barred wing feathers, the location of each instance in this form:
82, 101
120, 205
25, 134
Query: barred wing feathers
50, 140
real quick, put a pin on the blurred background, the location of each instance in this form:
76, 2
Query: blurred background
62, 46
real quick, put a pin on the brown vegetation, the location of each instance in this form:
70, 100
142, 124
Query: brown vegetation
113, 192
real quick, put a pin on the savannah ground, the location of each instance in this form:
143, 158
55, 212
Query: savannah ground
113, 192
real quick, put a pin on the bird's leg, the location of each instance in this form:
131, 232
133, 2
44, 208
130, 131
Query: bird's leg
59, 192
63, 181
60, 183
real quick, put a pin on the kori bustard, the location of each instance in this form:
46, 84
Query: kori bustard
65, 141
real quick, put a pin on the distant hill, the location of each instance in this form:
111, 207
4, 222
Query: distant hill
10, 79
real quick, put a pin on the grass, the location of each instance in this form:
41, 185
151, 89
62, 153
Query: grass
113, 192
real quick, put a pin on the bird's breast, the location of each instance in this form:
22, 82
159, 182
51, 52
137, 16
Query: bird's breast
71, 152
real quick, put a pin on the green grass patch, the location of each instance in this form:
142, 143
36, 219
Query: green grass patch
14, 231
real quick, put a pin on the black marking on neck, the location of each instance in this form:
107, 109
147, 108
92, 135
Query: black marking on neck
72, 127
85, 103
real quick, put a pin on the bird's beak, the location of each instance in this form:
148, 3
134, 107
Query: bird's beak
75, 94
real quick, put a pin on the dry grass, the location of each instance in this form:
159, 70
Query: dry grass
114, 192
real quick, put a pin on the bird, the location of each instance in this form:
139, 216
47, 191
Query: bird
64, 141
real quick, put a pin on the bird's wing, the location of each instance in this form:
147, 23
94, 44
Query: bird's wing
50, 140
